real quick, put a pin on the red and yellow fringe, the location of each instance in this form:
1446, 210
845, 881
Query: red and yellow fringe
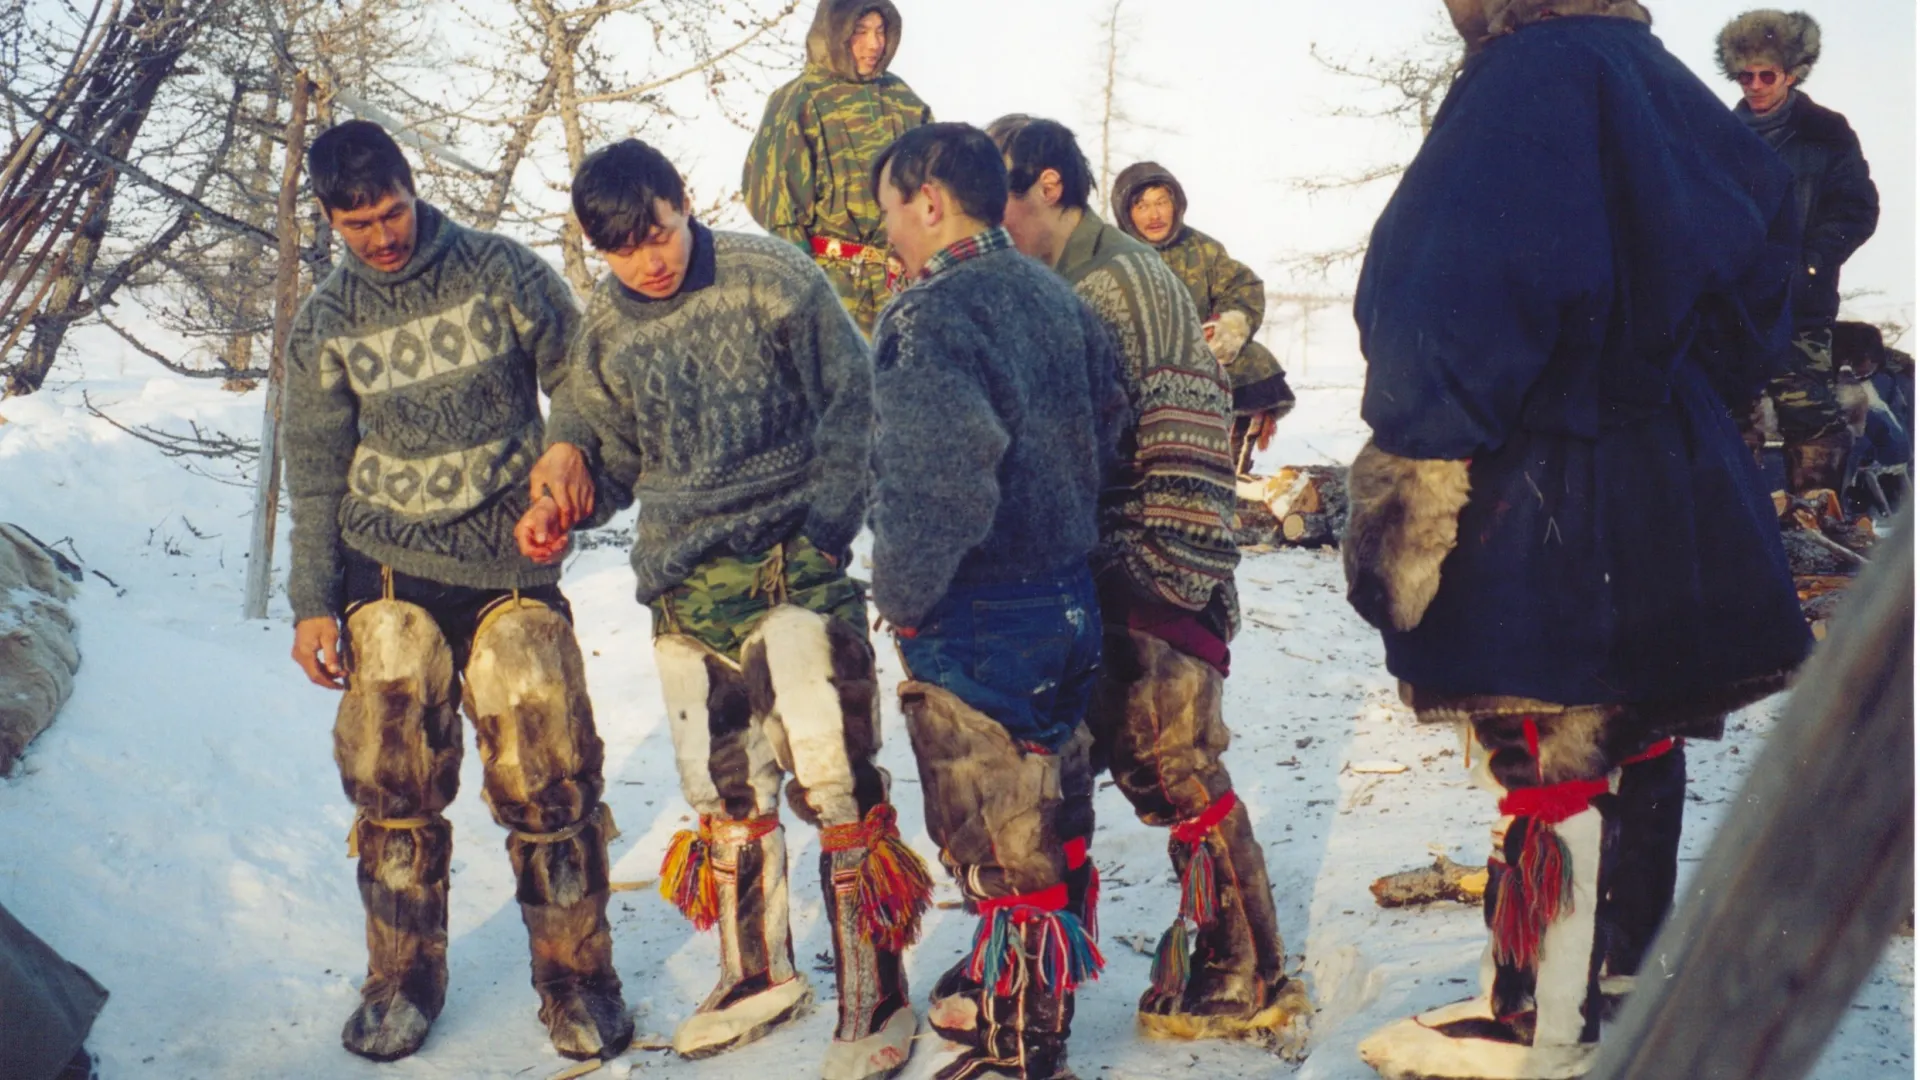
892, 888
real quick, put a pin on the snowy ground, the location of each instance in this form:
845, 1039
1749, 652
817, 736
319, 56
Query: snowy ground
180, 831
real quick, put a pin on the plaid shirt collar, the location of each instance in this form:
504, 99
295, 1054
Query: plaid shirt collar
980, 243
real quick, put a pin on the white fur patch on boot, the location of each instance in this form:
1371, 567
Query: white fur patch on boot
1412, 1049
882, 1053
706, 1033
959, 1014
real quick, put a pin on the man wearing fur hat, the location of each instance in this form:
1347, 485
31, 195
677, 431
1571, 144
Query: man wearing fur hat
1556, 526
1164, 573
412, 425
1770, 54
1150, 205
717, 381
805, 179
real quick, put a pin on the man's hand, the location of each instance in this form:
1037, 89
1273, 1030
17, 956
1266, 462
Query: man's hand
542, 532
316, 648
1227, 335
562, 474
1260, 429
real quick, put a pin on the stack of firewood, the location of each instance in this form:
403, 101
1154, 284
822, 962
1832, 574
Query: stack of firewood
1298, 506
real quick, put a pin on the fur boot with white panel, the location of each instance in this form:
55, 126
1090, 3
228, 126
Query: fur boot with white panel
801, 699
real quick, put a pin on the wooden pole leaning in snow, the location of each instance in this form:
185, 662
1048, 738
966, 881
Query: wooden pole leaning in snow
1809, 876
286, 289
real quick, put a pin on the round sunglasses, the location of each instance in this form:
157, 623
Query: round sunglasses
1764, 78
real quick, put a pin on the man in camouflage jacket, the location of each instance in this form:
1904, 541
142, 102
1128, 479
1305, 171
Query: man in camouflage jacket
806, 175
1150, 205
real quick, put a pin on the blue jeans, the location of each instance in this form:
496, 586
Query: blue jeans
1024, 652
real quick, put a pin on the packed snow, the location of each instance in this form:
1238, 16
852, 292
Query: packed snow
180, 831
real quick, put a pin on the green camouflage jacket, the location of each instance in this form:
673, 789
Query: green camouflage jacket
806, 174
1219, 282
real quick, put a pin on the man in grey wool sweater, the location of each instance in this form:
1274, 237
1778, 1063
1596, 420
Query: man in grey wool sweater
412, 424
998, 409
718, 380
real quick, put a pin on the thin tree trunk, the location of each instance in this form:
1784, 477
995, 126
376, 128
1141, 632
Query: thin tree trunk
286, 295
515, 152
64, 300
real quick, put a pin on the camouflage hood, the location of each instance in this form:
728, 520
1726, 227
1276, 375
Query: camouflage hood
1137, 178
832, 28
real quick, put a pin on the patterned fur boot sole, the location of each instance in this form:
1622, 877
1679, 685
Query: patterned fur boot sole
879, 1055
1280, 1027
1463, 1041
705, 1034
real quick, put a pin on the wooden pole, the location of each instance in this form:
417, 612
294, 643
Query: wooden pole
286, 295
1808, 878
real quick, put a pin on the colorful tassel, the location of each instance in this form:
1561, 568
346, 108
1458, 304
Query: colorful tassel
1198, 900
1172, 961
1532, 893
1068, 956
686, 877
892, 887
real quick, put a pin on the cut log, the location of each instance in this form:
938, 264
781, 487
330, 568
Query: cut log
1298, 506
1308, 530
1444, 880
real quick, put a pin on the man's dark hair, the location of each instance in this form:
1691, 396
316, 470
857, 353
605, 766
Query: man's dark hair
356, 164
614, 191
1032, 146
959, 157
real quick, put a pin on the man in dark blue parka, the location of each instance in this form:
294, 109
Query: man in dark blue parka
1556, 525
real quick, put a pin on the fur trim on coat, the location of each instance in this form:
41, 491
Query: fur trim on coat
1790, 39
1506, 16
1403, 518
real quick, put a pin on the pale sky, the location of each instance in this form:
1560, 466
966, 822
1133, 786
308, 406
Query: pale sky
1241, 108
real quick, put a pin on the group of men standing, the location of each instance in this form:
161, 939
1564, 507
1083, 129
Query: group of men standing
1043, 433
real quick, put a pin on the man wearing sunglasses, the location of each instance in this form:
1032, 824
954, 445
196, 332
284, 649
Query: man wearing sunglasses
1770, 53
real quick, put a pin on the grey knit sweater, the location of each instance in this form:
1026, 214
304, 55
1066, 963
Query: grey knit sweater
737, 411
412, 415
999, 410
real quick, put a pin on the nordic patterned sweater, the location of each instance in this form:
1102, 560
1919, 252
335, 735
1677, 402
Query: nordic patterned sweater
1169, 524
412, 414
999, 410
738, 411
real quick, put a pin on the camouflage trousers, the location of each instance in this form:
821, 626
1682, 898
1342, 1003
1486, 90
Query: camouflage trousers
1805, 399
724, 600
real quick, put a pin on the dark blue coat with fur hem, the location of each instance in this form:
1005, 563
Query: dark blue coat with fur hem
1589, 257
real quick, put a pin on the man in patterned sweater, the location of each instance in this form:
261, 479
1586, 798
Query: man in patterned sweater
805, 179
412, 421
1165, 576
717, 380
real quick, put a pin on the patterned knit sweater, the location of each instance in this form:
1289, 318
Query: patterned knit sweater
738, 411
412, 414
998, 414
1170, 524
